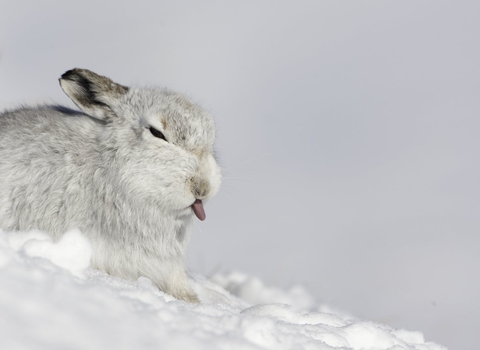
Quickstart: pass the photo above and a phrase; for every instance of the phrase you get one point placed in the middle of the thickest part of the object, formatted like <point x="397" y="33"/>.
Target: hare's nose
<point x="200" y="187"/>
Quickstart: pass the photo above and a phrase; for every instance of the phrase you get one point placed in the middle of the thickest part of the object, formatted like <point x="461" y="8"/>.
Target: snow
<point x="50" y="299"/>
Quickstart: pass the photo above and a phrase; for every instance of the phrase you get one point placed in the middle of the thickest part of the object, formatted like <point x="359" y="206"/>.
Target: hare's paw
<point x="189" y="297"/>
<point x="176" y="284"/>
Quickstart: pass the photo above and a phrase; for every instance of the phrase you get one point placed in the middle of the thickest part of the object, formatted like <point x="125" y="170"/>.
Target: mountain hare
<point x="130" y="171"/>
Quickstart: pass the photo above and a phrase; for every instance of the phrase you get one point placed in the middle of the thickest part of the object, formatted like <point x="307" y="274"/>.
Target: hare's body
<point x="130" y="172"/>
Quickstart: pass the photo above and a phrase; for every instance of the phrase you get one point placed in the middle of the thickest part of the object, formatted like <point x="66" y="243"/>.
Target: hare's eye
<point x="157" y="133"/>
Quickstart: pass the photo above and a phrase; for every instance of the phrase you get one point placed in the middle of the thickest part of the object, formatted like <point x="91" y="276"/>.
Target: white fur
<point x="103" y="171"/>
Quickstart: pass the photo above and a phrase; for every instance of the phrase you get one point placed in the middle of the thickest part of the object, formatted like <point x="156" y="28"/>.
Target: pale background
<point x="348" y="133"/>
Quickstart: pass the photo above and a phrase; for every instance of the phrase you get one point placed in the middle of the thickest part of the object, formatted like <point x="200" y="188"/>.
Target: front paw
<point x="190" y="298"/>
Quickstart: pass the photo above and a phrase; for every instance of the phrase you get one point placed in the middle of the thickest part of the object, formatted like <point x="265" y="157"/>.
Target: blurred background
<point x="348" y="133"/>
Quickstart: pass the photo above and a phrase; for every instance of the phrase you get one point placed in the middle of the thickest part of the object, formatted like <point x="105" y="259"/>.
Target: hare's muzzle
<point x="198" y="209"/>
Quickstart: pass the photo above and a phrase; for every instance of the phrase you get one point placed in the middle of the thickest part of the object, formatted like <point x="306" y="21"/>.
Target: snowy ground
<point x="364" y="113"/>
<point x="49" y="299"/>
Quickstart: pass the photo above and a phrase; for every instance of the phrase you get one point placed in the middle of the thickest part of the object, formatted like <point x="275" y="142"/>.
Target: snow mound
<point x="49" y="299"/>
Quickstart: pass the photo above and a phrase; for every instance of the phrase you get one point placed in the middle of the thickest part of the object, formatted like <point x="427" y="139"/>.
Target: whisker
<point x="247" y="161"/>
<point x="236" y="178"/>
<point x="226" y="192"/>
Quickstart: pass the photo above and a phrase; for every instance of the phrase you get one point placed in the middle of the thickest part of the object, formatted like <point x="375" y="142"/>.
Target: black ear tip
<point x="70" y="74"/>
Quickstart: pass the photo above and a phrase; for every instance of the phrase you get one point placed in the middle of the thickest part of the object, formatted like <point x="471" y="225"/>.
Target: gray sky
<point x="348" y="133"/>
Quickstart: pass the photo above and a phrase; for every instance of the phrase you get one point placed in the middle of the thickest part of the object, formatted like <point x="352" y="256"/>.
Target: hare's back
<point x="45" y="132"/>
<point x="45" y="154"/>
<point x="50" y="140"/>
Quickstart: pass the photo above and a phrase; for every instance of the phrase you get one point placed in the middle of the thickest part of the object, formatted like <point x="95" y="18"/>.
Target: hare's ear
<point x="92" y="93"/>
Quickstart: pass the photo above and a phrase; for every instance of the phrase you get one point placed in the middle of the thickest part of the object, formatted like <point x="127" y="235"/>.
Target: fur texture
<point x="107" y="171"/>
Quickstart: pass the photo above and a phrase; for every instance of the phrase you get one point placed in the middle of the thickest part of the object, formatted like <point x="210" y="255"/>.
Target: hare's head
<point x="159" y="143"/>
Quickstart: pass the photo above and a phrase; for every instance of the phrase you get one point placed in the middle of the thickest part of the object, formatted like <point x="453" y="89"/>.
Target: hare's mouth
<point x="198" y="209"/>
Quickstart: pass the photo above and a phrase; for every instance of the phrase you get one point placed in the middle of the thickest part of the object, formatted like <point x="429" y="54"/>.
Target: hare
<point x="130" y="170"/>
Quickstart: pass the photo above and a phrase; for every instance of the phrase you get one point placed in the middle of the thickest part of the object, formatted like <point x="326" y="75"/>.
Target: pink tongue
<point x="197" y="208"/>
